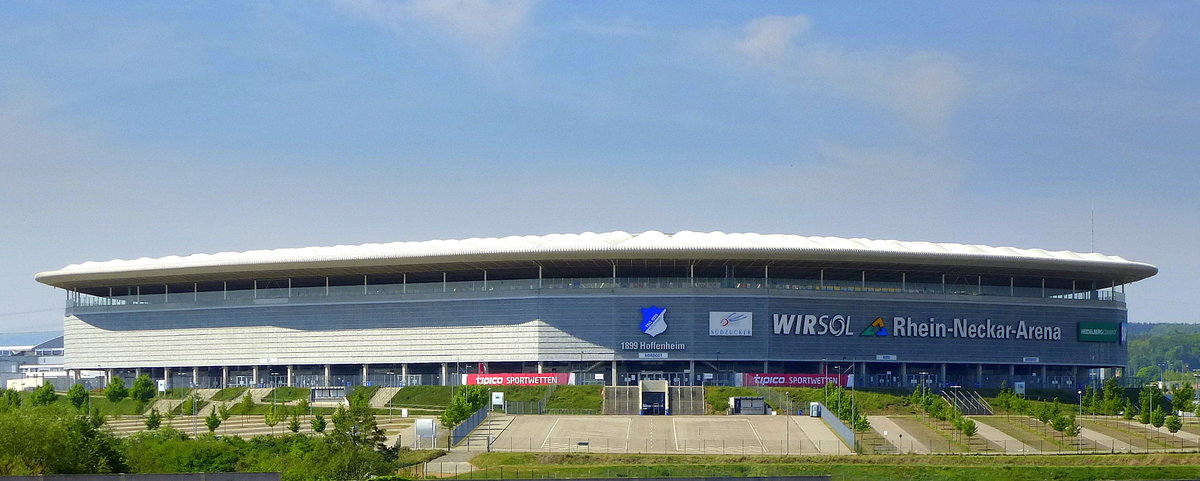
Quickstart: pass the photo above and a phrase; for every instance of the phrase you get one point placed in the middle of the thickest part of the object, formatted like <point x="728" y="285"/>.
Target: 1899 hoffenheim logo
<point x="653" y="322"/>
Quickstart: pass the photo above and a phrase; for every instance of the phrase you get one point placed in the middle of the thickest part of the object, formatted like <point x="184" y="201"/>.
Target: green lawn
<point x="285" y="394"/>
<point x="576" y="398"/>
<point x="422" y="396"/>
<point x="229" y="394"/>
<point x="910" y="467"/>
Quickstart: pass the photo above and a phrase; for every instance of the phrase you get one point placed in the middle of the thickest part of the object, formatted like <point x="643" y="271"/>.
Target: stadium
<point x="610" y="308"/>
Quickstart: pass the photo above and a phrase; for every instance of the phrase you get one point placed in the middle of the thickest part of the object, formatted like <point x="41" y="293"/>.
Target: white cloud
<point x="490" y="28"/>
<point x="924" y="89"/>
<point x="770" y="38"/>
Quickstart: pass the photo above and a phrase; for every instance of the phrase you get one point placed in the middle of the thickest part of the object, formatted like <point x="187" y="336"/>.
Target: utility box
<point x="814" y="409"/>
<point x="747" y="405"/>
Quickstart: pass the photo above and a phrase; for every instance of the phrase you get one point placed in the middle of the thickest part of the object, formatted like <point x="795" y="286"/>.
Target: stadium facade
<point x="608" y="308"/>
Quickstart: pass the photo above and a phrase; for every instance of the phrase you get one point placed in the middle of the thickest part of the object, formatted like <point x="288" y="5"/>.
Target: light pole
<point x="1080" y="393"/>
<point x="787" y="425"/>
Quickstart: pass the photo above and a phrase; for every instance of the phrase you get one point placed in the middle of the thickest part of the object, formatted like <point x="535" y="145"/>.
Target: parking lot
<point x="666" y="434"/>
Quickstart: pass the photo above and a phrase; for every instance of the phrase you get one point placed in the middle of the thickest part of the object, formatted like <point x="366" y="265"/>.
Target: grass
<point x="422" y="396"/>
<point x="854" y="468"/>
<point x="229" y="394"/>
<point x="522" y="393"/>
<point x="576" y="398"/>
<point x="1135" y="434"/>
<point x="286" y="394"/>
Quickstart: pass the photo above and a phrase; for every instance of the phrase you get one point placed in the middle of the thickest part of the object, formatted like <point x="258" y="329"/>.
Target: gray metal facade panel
<point x="555" y="327"/>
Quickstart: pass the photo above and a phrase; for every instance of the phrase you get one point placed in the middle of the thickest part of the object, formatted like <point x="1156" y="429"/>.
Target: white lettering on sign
<point x="964" y="328"/>
<point x="811" y="324"/>
<point x="653" y="345"/>
<point x="652" y="355"/>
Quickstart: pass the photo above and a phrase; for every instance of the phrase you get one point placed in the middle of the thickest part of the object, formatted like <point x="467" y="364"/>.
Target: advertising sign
<point x="731" y="324"/>
<point x="796" y="380"/>
<point x="1092" y="331"/>
<point x="520" y="379"/>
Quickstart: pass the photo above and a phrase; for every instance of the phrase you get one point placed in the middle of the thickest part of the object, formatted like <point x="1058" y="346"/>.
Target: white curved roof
<point x="606" y="245"/>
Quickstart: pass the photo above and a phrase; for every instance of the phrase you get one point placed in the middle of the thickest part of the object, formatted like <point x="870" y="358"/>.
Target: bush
<point x="154" y="420"/>
<point x="43" y="396"/>
<point x="1174" y="424"/>
<point x="116" y="391"/>
<point x="77" y="395"/>
<point x="143" y="388"/>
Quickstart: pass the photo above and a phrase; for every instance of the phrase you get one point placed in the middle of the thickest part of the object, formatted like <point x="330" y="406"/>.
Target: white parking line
<point x="761" y="445"/>
<point x="552" y="426"/>
<point x="675" y="433"/>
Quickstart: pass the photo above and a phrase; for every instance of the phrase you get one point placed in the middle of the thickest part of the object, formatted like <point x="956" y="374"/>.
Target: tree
<point x="1112" y="396"/>
<point x="1182" y="400"/>
<point x="212" y="421"/>
<point x="1174" y="424"/>
<point x="223" y="411"/>
<point x="116" y="391"/>
<point x="356" y="425"/>
<point x="967" y="427"/>
<point x="318" y="424"/>
<point x="294" y="424"/>
<point x="78" y="395"/>
<point x="1157" y="417"/>
<point x="246" y="404"/>
<point x="154" y="420"/>
<point x="272" y="417"/>
<point x="143" y="388"/>
<point x="302" y="407"/>
<point x="43" y="396"/>
<point x="1127" y="410"/>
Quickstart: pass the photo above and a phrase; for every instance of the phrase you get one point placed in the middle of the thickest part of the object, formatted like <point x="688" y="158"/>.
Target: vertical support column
<point x="943" y="372"/>
<point x="445" y="375"/>
<point x="167" y="377"/>
<point x="1075" y="376"/>
<point x="766" y="368"/>
<point x="108" y="374"/>
<point x="195" y="376"/>
<point x="291" y="376"/>
<point x="861" y="378"/>
<point x="540" y="366"/>
<point x="979" y="375"/>
<point x="404" y="373"/>
<point x="328" y="375"/>
<point x="254" y="377"/>
<point x="366" y="370"/>
<point x="904" y="375"/>
<point x="691" y="372"/>
<point x="1045" y="381"/>
<point x="224" y="377"/>
<point x="137" y="372"/>
<point x="1012" y="373"/>
<point x="613" y="381"/>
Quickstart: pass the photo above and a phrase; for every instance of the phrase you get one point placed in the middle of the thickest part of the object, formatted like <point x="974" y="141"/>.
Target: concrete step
<point x="383" y="396"/>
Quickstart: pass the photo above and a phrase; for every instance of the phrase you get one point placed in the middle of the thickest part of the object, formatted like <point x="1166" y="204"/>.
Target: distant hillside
<point x="1152" y="346"/>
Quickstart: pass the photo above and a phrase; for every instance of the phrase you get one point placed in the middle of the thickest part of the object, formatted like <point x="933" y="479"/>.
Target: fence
<point x="837" y="426"/>
<point x="463" y="429"/>
<point x="668" y="445"/>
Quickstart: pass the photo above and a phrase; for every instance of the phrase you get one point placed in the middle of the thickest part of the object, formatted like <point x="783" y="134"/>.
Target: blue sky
<point x="146" y="129"/>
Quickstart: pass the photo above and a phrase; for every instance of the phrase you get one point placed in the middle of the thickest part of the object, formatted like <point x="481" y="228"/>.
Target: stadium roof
<point x="686" y="245"/>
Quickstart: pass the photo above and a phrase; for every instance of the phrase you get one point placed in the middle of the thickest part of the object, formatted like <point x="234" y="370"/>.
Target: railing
<point x="285" y="295"/>
<point x="463" y="429"/>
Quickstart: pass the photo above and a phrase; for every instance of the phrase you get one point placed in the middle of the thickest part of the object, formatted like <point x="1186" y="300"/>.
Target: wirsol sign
<point x="900" y="326"/>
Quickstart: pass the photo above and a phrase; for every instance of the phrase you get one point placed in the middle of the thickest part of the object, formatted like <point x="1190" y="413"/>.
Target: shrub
<point x="116" y="391"/>
<point x="143" y="389"/>
<point x="43" y="396"/>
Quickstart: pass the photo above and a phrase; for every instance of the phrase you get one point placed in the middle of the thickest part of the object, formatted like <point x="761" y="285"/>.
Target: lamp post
<point x="1080" y="393"/>
<point x="787" y="425"/>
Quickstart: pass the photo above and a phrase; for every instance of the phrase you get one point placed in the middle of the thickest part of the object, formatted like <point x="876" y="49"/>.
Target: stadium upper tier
<point x="591" y="255"/>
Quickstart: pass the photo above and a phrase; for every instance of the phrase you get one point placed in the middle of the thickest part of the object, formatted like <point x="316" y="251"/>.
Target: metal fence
<point x="463" y="429"/>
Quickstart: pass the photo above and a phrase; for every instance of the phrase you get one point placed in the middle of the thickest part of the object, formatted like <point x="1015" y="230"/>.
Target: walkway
<point x="1010" y="444"/>
<point x="904" y="441"/>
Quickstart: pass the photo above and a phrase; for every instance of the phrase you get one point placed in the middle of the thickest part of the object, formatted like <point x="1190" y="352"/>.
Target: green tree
<point x="1127" y="410"/>
<point x="967" y="427"/>
<point x="272" y="417"/>
<point x="78" y="395"/>
<point x="223" y="412"/>
<point x="116" y="391"/>
<point x="318" y="424"/>
<point x="302" y="407"/>
<point x="294" y="424"/>
<point x="1112" y="396"/>
<point x="9" y="399"/>
<point x="212" y="421"/>
<point x="246" y="404"/>
<point x="143" y="389"/>
<point x="154" y="420"/>
<point x="43" y="396"/>
<point x="1182" y="399"/>
<point x="356" y="425"/>
<point x="1173" y="424"/>
<point x="1157" y="417"/>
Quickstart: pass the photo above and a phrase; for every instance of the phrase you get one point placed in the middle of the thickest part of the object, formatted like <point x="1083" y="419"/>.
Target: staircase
<point x="968" y="402"/>
<point x="384" y="396"/>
